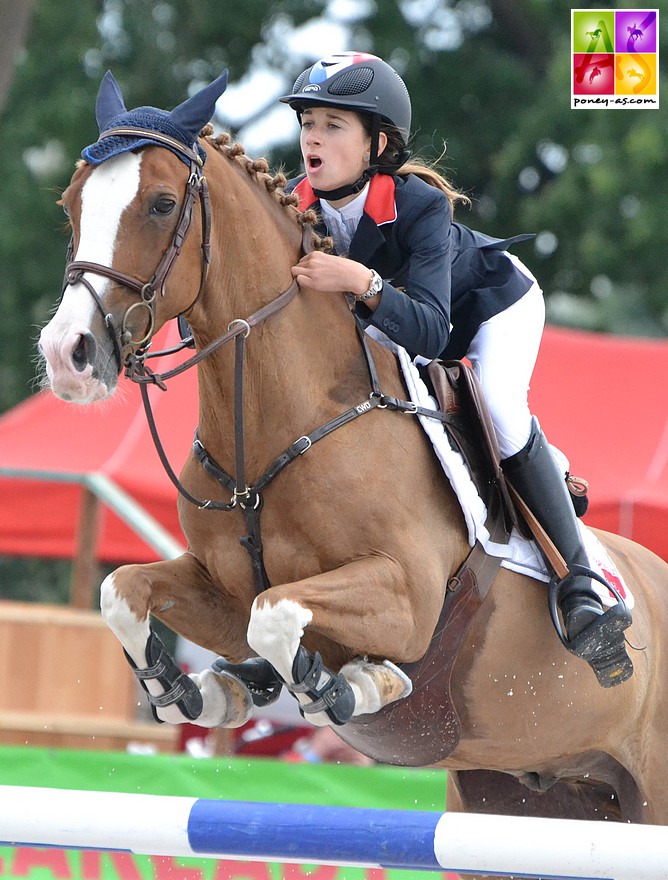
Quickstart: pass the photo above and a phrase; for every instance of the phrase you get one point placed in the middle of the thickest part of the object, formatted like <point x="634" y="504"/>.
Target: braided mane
<point x="258" y="169"/>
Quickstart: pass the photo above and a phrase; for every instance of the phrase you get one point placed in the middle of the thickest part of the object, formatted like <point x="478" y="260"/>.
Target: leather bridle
<point x="121" y="337"/>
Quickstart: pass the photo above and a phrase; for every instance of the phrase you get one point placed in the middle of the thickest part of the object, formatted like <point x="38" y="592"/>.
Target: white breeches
<point x="503" y="354"/>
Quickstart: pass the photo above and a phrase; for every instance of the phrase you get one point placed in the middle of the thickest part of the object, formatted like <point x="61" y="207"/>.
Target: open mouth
<point x="314" y="162"/>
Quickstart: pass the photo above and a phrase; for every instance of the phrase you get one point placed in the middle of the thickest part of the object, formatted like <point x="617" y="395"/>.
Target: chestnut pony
<point x="321" y="531"/>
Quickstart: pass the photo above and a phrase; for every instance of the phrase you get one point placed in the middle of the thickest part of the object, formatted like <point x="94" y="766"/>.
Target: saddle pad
<point x="520" y="554"/>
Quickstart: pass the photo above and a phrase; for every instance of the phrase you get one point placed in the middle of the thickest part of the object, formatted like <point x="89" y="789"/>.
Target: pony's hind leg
<point x="343" y="608"/>
<point x="128" y="596"/>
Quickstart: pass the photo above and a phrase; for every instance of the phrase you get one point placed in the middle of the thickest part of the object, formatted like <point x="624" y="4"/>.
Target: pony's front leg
<point x="363" y="606"/>
<point x="172" y="588"/>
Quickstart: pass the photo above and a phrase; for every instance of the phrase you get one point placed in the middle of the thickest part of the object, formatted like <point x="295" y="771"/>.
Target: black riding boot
<point x="591" y="632"/>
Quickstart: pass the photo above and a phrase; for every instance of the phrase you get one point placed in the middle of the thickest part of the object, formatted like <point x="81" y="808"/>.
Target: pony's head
<point x="137" y="239"/>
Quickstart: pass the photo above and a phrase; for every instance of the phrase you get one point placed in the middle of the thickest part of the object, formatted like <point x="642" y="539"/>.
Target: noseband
<point x="121" y="337"/>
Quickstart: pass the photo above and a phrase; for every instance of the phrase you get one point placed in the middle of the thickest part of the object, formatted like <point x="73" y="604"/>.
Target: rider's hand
<point x="328" y="273"/>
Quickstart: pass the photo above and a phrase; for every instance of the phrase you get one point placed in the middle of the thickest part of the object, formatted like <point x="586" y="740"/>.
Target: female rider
<point x="439" y="290"/>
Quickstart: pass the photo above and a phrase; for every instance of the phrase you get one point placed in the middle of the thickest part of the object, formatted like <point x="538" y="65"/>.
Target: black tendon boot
<point x="592" y="633"/>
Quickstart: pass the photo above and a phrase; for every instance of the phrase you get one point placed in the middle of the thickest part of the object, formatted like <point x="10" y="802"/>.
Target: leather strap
<point x="554" y="557"/>
<point x="157" y="136"/>
<point x="479" y="570"/>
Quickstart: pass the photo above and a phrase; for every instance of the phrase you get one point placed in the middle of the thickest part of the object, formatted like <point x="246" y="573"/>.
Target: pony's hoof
<point x="376" y="684"/>
<point x="227" y="701"/>
<point x="239" y="703"/>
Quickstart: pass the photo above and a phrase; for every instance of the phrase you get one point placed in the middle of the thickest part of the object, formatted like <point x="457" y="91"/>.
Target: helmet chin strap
<point x="352" y="189"/>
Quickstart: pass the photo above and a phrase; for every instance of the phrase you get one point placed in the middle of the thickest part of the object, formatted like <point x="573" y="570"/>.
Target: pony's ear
<point x="194" y="113"/>
<point x="109" y="101"/>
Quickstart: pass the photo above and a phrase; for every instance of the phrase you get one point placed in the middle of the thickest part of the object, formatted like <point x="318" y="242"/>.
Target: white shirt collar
<point x="352" y="210"/>
<point x="342" y="222"/>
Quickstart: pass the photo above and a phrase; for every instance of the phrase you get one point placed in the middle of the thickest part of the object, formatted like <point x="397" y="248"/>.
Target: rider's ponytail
<point x="394" y="150"/>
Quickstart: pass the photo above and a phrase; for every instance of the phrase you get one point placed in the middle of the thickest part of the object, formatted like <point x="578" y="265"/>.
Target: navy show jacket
<point x="441" y="280"/>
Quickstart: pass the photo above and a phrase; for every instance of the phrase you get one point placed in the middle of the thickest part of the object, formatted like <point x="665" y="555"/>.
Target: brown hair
<point x="392" y="160"/>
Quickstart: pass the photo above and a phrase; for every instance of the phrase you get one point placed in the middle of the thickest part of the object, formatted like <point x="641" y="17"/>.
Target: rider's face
<point x="335" y="147"/>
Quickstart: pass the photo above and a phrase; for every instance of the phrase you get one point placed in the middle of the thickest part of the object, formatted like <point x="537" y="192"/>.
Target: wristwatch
<point x="375" y="287"/>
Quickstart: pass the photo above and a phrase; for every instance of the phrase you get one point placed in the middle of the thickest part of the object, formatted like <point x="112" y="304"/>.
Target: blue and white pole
<point x="414" y="840"/>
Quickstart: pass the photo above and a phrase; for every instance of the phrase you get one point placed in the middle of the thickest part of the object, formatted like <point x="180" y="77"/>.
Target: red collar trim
<point x="307" y="198"/>
<point x="380" y="204"/>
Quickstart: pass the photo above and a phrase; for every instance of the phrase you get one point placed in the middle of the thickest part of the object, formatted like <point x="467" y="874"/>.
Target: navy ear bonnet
<point x="183" y="123"/>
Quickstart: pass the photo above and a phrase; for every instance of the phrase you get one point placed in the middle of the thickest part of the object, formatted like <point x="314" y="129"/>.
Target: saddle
<point x="471" y="432"/>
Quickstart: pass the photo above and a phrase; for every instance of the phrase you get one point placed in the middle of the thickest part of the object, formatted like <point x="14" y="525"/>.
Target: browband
<point x="156" y="136"/>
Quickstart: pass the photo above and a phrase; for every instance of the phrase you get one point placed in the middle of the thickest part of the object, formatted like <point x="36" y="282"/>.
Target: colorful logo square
<point x="593" y="74"/>
<point x="636" y="74"/>
<point x="593" y="30"/>
<point x="635" y="31"/>
<point x="614" y="58"/>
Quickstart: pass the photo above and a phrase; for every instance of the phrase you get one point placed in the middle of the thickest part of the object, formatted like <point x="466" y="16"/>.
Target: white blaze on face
<point x="106" y="194"/>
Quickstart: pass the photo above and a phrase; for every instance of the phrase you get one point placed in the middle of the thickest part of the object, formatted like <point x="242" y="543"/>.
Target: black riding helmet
<point x="359" y="82"/>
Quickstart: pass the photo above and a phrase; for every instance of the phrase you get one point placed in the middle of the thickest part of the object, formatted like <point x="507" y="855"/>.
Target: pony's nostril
<point x="83" y="353"/>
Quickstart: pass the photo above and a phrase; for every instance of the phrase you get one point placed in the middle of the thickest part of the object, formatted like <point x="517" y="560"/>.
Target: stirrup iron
<point x="601" y="643"/>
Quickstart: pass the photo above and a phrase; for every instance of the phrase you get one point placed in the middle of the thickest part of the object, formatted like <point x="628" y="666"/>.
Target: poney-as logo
<point x="614" y="58"/>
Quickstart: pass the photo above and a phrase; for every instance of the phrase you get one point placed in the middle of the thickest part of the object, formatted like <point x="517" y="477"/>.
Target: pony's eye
<point x="163" y="206"/>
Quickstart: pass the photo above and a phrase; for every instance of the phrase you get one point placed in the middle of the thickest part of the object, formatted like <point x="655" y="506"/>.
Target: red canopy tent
<point x="54" y="456"/>
<point x="599" y="398"/>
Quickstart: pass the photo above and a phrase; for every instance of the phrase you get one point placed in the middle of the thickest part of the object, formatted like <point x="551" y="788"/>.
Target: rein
<point x="249" y="498"/>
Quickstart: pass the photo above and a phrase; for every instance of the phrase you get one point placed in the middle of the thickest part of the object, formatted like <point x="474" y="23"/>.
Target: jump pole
<point x="415" y="840"/>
